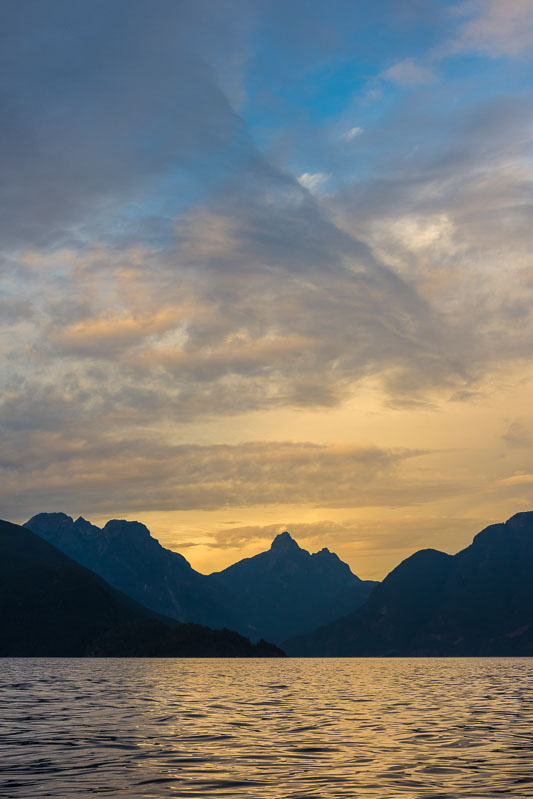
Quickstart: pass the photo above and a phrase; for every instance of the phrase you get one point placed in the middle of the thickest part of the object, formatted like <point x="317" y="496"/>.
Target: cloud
<point x="408" y="73"/>
<point x="105" y="335"/>
<point x="60" y="464"/>
<point x="371" y="546"/>
<point x="266" y="320"/>
<point x="312" y="180"/>
<point x="493" y="28"/>
<point x="14" y="310"/>
<point x="497" y="28"/>
<point x="518" y="479"/>
<point x="158" y="268"/>
<point x="200" y="279"/>
<point x="455" y="224"/>
<point x="257" y="301"/>
<point x="517" y="435"/>
<point x="352" y="133"/>
<point x="361" y="535"/>
<point x="96" y="118"/>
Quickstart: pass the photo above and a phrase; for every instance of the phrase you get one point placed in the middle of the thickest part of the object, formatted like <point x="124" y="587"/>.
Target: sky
<point x="268" y="265"/>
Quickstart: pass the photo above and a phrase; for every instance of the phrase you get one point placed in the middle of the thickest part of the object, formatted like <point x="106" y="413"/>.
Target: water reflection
<point x="267" y="728"/>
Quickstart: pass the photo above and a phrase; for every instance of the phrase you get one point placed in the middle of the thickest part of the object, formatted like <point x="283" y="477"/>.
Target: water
<point x="267" y="728"/>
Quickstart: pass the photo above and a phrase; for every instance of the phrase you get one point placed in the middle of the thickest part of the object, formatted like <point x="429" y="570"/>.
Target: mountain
<point x="51" y="606"/>
<point x="130" y="559"/>
<point x="477" y="602"/>
<point x="279" y="593"/>
<point x="286" y="590"/>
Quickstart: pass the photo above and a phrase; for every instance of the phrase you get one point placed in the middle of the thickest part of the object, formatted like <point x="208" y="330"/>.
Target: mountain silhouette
<point x="129" y="558"/>
<point x="279" y="593"/>
<point x="51" y="606"/>
<point x="287" y="590"/>
<point x="477" y="602"/>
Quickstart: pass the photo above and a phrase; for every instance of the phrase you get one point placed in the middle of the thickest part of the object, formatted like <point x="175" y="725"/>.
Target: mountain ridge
<point x="476" y="602"/>
<point x="126" y="555"/>
<point x="287" y="588"/>
<point x="51" y="606"/>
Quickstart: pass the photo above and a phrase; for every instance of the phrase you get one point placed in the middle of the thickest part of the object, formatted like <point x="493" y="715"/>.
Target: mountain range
<point x="477" y="602"/>
<point x="277" y="594"/>
<point x="50" y="606"/>
<point x="129" y="558"/>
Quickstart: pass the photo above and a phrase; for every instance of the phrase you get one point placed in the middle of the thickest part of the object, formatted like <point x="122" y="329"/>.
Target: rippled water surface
<point x="267" y="728"/>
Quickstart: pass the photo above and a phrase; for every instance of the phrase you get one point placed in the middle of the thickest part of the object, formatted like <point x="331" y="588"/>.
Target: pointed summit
<point x="286" y="588"/>
<point x="284" y="542"/>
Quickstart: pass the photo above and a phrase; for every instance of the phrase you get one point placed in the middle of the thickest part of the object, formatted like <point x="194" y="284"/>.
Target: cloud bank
<point x="170" y="256"/>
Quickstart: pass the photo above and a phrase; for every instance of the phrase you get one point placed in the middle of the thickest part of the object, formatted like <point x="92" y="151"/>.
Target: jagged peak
<point x="326" y="554"/>
<point x="284" y="542"/>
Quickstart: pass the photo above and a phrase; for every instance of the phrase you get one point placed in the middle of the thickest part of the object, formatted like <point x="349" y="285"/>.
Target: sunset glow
<point x="269" y="266"/>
